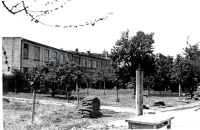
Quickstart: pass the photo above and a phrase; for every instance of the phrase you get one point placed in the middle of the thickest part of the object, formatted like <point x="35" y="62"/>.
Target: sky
<point x="171" y="21"/>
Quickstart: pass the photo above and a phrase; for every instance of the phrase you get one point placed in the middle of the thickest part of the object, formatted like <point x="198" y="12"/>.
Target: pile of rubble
<point x="90" y="107"/>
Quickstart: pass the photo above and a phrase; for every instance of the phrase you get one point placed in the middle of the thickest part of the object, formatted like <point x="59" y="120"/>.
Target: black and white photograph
<point x="100" y="64"/>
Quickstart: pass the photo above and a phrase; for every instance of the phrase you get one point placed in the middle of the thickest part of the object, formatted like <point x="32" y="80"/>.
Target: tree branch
<point x="10" y="10"/>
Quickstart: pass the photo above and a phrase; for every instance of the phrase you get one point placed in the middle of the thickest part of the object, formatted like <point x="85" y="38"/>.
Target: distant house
<point x="22" y="54"/>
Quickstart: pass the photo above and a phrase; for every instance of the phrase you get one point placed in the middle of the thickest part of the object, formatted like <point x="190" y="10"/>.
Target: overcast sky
<point x="171" y="21"/>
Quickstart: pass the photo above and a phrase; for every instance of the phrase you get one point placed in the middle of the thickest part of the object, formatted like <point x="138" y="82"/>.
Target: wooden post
<point x="77" y="94"/>
<point x="33" y="107"/>
<point x="117" y="94"/>
<point x="104" y="86"/>
<point x="139" y="92"/>
<point x="179" y="90"/>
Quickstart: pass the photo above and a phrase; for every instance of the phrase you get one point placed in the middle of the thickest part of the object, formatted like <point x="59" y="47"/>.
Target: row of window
<point x="37" y="53"/>
<point x="87" y="63"/>
<point x="90" y="63"/>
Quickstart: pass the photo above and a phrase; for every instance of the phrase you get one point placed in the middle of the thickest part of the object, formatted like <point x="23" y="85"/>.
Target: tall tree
<point x="134" y="52"/>
<point x="131" y="53"/>
<point x="186" y="68"/>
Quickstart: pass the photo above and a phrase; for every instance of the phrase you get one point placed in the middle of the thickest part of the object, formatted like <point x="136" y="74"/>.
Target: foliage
<point x="162" y="76"/>
<point x="62" y="76"/>
<point x="36" y="76"/>
<point x="186" y="70"/>
<point x="131" y="53"/>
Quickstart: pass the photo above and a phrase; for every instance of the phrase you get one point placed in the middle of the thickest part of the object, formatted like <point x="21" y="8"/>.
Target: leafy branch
<point x="43" y="13"/>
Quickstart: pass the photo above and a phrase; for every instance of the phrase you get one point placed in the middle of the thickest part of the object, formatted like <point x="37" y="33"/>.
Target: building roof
<point x="88" y="54"/>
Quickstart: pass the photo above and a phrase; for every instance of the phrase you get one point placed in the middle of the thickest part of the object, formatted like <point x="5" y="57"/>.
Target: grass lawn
<point x="17" y="116"/>
<point x="125" y="97"/>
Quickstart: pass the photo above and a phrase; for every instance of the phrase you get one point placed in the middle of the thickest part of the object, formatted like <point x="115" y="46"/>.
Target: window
<point x="70" y="57"/>
<point x="83" y="62"/>
<point x="46" y="55"/>
<point x="100" y="64"/>
<point x="61" y="57"/>
<point x="95" y="62"/>
<point x="78" y="61"/>
<point x="90" y="63"/>
<point x="36" y="53"/>
<point x="104" y="64"/>
<point x="25" y="51"/>
<point x="54" y="54"/>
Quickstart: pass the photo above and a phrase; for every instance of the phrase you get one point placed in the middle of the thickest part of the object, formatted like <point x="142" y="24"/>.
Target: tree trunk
<point x="77" y="92"/>
<point x="104" y="88"/>
<point x="67" y="92"/>
<point x="33" y="107"/>
<point x="87" y="83"/>
<point x="139" y="92"/>
<point x="90" y="86"/>
<point x="53" y="91"/>
<point x="15" y="83"/>
<point x="148" y="91"/>
<point x="99" y="85"/>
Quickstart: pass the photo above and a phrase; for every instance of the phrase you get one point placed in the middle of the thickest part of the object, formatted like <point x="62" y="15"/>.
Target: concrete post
<point x="139" y="92"/>
<point x="179" y="90"/>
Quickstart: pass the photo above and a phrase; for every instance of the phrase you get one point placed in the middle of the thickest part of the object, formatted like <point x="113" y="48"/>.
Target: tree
<point x="62" y="76"/>
<point x="36" y="78"/>
<point x="186" y="69"/>
<point x="163" y="72"/>
<point x="136" y="53"/>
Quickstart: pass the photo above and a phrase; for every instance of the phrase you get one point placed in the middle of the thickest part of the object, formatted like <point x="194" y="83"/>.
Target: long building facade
<point x="22" y="54"/>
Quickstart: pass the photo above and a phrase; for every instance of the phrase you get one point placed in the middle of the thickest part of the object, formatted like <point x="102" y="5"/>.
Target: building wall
<point x="31" y="61"/>
<point x="21" y="55"/>
<point x="12" y="47"/>
<point x="90" y="59"/>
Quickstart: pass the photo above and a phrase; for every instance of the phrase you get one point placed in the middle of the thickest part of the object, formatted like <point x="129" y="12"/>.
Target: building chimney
<point x="76" y="50"/>
<point x="105" y="53"/>
<point x="88" y="52"/>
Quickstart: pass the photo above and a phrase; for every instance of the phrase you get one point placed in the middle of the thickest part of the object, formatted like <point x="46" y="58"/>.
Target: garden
<point x="50" y="96"/>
